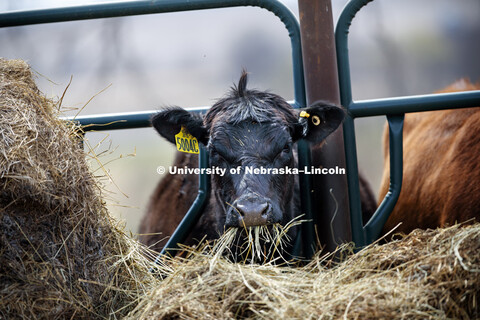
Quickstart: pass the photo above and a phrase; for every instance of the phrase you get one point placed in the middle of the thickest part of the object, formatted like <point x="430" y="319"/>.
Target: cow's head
<point x="254" y="129"/>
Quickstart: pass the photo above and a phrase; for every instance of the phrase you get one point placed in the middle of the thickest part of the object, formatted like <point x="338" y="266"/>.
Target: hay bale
<point x="433" y="274"/>
<point x="61" y="256"/>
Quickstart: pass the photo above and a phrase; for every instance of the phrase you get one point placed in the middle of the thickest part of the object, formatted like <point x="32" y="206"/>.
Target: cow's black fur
<point x="249" y="128"/>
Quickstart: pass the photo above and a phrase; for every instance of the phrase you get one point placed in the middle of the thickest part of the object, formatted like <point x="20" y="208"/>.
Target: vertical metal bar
<point x="191" y="218"/>
<point x="307" y="228"/>
<point x="331" y="213"/>
<point x="364" y="235"/>
<point x="356" y="219"/>
<point x="341" y="41"/>
<point x="377" y="221"/>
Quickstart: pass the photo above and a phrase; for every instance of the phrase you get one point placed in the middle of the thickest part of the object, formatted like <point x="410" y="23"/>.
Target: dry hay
<point x="260" y="244"/>
<point x="61" y="256"/>
<point x="433" y="274"/>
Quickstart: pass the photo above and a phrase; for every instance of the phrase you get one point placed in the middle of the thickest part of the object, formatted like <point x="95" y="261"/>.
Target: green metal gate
<point x="393" y="108"/>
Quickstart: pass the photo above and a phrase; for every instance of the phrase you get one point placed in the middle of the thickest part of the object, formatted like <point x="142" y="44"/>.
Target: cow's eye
<point x="284" y="154"/>
<point x="287" y="148"/>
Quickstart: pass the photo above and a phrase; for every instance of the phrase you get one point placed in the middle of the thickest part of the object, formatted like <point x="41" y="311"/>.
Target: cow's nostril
<point x="253" y="212"/>
<point x="266" y="210"/>
<point x="262" y="209"/>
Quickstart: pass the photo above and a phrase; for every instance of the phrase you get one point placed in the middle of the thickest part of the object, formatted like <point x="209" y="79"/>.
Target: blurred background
<point x="189" y="59"/>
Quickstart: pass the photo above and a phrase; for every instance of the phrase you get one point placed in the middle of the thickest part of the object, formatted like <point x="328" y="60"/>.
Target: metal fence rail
<point x="393" y="108"/>
<point x="130" y="8"/>
<point x="142" y="119"/>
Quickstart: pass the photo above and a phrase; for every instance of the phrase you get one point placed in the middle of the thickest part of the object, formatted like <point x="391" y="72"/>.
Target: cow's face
<point x="248" y="194"/>
<point x="246" y="131"/>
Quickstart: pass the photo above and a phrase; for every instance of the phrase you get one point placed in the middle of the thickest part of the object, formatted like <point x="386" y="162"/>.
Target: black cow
<point x="246" y="129"/>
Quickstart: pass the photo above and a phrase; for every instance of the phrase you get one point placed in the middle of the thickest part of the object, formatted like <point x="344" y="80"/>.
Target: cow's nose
<point x="252" y="212"/>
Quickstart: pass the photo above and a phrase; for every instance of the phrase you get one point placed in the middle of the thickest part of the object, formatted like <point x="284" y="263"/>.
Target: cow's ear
<point x="169" y="122"/>
<point x="319" y="120"/>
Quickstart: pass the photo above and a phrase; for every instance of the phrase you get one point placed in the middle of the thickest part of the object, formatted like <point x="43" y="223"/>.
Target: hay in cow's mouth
<point x="259" y="244"/>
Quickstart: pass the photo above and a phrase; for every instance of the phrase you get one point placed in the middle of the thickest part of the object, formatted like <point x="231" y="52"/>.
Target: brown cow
<point x="247" y="128"/>
<point x="441" y="167"/>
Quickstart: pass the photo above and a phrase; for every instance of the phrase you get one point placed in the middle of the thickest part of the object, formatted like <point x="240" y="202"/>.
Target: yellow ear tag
<point x="304" y="114"/>
<point x="186" y="142"/>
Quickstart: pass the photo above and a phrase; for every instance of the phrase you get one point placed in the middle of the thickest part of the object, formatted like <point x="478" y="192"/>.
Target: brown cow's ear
<point x="169" y="122"/>
<point x="320" y="120"/>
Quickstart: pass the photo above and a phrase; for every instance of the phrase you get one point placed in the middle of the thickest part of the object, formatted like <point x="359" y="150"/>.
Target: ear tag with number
<point x="304" y="114"/>
<point x="186" y="142"/>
